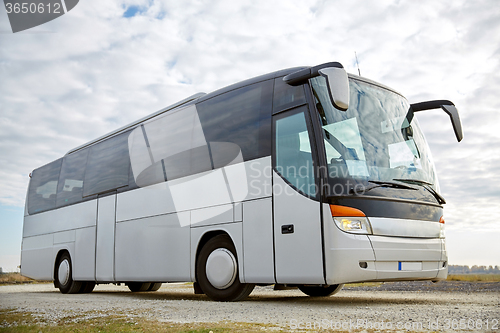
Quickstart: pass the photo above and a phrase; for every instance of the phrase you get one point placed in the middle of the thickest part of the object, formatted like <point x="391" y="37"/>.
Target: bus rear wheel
<point x="321" y="291"/>
<point x="64" y="276"/>
<point x="217" y="271"/>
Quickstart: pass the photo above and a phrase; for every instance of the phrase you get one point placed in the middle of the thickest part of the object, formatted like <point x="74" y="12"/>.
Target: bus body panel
<point x="258" y="245"/>
<point x="299" y="257"/>
<point x="224" y="186"/>
<point x="398" y="258"/>
<point x="443" y="268"/>
<point x="153" y="249"/>
<point x="105" y="239"/>
<point x="405" y="227"/>
<point x="36" y="257"/>
<point x="143" y="202"/>
<point x="406" y="248"/>
<point x="80" y="215"/>
<point x="47" y="233"/>
<point x="207" y="189"/>
<point x="84" y="255"/>
<point x="64" y="237"/>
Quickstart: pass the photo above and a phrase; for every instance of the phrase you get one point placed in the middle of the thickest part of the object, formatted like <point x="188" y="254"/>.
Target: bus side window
<point x="107" y="166"/>
<point x="43" y="187"/>
<point x="241" y="117"/>
<point x="169" y="147"/>
<point x="70" y="186"/>
<point x="293" y="151"/>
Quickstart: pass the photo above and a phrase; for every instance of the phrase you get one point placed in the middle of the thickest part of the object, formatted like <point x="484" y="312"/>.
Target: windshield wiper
<point x="380" y="184"/>
<point x="427" y="186"/>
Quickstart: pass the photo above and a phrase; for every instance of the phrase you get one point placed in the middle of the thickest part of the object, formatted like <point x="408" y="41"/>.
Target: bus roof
<point x="253" y="80"/>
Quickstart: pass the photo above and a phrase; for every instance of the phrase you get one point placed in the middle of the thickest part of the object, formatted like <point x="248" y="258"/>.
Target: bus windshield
<point x="375" y="140"/>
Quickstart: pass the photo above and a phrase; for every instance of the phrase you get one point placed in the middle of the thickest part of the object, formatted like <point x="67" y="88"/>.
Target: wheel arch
<point x="59" y="253"/>
<point x="206" y="237"/>
<point x="200" y="236"/>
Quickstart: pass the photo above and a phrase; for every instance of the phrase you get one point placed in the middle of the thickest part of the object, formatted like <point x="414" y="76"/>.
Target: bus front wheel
<point x="87" y="287"/>
<point x="138" y="286"/>
<point x="217" y="271"/>
<point x="64" y="276"/>
<point x="321" y="291"/>
<point x="154" y="286"/>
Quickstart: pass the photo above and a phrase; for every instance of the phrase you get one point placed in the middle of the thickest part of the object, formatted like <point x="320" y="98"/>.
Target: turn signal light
<point x="345" y="211"/>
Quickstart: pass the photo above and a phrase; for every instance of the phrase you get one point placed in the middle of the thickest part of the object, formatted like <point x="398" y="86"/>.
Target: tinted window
<point x="188" y="162"/>
<point x="70" y="187"/>
<point x="131" y="181"/>
<point x="108" y="165"/>
<point x="293" y="152"/>
<point x="241" y="117"/>
<point x="169" y="147"/>
<point x="287" y="96"/>
<point x="43" y="187"/>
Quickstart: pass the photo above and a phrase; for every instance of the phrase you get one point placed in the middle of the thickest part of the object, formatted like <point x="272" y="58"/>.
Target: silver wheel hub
<point x="63" y="272"/>
<point x="221" y="268"/>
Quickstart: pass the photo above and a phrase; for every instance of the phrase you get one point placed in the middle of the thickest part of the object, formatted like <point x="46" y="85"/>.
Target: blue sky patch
<point x="133" y="11"/>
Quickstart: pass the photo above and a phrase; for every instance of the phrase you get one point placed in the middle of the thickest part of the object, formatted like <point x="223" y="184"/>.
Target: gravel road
<point x="398" y="306"/>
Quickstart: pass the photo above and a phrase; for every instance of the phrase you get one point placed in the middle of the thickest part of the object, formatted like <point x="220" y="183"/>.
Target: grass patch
<point x="474" y="277"/>
<point x="14" y="321"/>
<point x="13" y="278"/>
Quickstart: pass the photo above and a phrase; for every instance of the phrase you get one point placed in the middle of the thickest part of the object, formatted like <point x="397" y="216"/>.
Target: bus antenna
<point x="359" y="72"/>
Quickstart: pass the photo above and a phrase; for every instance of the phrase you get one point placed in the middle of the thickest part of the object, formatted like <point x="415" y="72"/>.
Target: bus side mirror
<point x="338" y="86"/>
<point x="336" y="80"/>
<point x="449" y="108"/>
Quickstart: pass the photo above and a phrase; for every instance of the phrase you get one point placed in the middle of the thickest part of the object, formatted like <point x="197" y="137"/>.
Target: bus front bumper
<point x="417" y="255"/>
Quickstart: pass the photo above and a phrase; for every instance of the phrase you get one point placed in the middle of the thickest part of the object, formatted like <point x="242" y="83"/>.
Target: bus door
<point x="297" y="220"/>
<point x="105" y="238"/>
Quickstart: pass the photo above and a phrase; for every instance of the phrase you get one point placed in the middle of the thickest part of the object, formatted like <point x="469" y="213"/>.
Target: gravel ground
<point x="399" y="306"/>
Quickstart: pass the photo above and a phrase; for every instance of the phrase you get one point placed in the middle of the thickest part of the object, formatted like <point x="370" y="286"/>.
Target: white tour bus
<point x="304" y="177"/>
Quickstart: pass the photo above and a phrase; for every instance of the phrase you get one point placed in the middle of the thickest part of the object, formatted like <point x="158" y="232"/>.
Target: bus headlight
<point x="355" y="225"/>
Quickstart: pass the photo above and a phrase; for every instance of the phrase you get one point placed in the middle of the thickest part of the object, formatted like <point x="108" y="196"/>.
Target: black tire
<point x="321" y="291"/>
<point x="64" y="276"/>
<point x="233" y="290"/>
<point x="154" y="286"/>
<point x="87" y="287"/>
<point x="138" y="286"/>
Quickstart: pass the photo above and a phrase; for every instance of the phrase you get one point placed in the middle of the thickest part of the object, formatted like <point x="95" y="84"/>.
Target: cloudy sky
<point x="107" y="63"/>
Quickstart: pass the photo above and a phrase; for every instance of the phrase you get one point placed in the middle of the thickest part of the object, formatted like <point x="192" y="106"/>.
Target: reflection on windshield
<point x="375" y="139"/>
